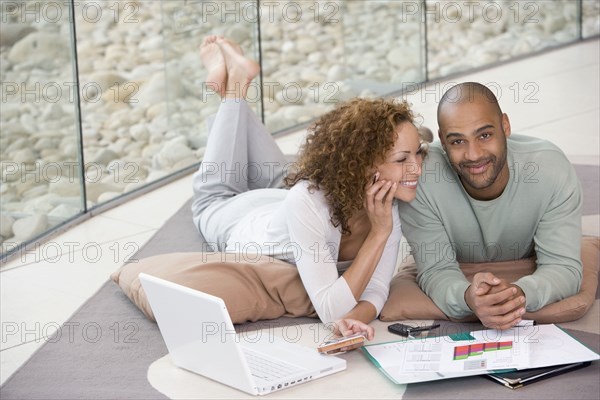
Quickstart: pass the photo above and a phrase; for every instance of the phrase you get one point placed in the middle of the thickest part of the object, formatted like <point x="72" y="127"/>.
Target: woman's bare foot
<point x="214" y="61"/>
<point x="240" y="70"/>
<point x="234" y="45"/>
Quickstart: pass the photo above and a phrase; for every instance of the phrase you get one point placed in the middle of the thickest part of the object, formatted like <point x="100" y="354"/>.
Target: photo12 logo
<point x="53" y="92"/>
<point x="517" y="92"/>
<point x="195" y="13"/>
<point x="453" y="12"/>
<point x="57" y="11"/>
<point x="53" y="332"/>
<point x="68" y="252"/>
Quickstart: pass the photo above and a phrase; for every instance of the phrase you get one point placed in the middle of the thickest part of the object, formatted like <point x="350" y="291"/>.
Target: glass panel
<point x="123" y="101"/>
<point x="190" y="104"/>
<point x="317" y="53"/>
<point x="383" y="45"/>
<point x="591" y="18"/>
<point x="465" y="35"/>
<point x="143" y="105"/>
<point x="40" y="185"/>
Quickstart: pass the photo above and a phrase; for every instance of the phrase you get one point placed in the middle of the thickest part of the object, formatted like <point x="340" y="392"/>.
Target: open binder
<point x="517" y="379"/>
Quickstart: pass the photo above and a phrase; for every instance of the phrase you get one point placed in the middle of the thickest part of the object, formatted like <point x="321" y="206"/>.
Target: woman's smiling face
<point x="403" y="162"/>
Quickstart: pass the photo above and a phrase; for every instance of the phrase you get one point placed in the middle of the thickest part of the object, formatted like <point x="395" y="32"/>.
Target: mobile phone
<point x="375" y="177"/>
<point x="343" y="344"/>
<point x="408" y="331"/>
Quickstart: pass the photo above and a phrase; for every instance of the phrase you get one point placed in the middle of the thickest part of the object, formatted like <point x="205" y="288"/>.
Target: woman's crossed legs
<point x="240" y="154"/>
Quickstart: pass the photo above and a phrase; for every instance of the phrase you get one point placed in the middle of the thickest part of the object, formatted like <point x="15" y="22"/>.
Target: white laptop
<point x="200" y="336"/>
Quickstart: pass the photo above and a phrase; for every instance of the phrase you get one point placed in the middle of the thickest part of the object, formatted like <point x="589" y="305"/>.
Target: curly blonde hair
<point x="341" y="149"/>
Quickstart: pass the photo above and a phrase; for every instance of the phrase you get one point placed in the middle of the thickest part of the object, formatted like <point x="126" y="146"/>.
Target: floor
<point x="554" y="96"/>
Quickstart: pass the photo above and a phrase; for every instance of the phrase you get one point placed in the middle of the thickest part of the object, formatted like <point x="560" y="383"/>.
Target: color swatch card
<point x="501" y="351"/>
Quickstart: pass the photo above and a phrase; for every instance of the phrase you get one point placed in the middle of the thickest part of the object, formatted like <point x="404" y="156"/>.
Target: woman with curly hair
<point x="337" y="221"/>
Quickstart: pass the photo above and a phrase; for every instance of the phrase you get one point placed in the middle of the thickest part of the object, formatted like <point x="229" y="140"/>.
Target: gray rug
<point x="112" y="359"/>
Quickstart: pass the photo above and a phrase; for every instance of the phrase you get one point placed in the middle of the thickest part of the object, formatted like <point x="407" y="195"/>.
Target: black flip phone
<point x="407" y="330"/>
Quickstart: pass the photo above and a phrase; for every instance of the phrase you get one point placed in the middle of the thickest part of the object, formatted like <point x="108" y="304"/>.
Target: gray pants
<point x="242" y="166"/>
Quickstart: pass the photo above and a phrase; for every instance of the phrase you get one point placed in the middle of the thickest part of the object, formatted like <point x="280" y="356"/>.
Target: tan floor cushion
<point x="253" y="289"/>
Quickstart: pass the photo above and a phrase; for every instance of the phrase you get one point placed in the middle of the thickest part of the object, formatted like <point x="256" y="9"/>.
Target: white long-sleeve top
<point x="295" y="225"/>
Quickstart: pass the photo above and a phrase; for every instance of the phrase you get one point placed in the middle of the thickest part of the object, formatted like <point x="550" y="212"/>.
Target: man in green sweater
<point x="487" y="196"/>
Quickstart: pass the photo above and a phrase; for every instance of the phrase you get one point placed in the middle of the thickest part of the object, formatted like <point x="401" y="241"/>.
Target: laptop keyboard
<point x="269" y="369"/>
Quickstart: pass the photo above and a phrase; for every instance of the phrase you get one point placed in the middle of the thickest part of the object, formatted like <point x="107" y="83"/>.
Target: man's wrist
<point x="460" y="307"/>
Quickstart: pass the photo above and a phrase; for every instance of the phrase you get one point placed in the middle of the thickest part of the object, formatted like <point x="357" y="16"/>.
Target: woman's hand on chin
<point x="378" y="204"/>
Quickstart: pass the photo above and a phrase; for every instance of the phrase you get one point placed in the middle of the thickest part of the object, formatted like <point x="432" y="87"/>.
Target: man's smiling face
<point x="473" y="134"/>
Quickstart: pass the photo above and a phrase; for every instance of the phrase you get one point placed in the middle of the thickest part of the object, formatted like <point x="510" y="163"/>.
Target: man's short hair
<point x="468" y="92"/>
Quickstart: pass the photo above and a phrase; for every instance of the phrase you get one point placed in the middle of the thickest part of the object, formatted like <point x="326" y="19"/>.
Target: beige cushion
<point x="408" y="301"/>
<point x="255" y="288"/>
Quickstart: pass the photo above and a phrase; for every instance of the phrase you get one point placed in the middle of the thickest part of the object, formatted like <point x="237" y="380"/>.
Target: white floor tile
<point x="590" y="225"/>
<point x="31" y="310"/>
<point x="576" y="135"/>
<point x="553" y="62"/>
<point x="80" y="271"/>
<point x="12" y="359"/>
<point x="558" y="97"/>
<point x="587" y="160"/>
<point x="154" y="208"/>
<point x="84" y="237"/>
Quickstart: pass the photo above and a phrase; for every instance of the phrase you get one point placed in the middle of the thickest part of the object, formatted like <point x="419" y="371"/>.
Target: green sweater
<point x="539" y="213"/>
